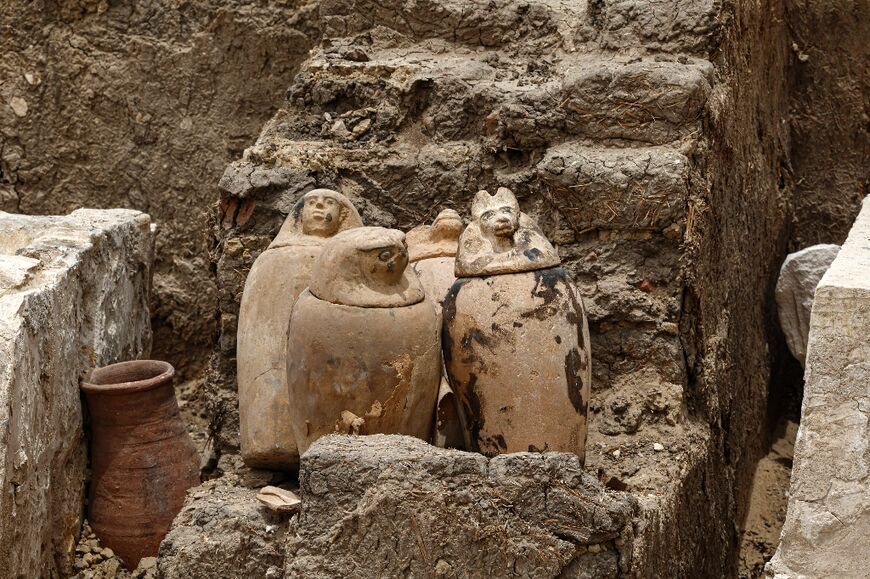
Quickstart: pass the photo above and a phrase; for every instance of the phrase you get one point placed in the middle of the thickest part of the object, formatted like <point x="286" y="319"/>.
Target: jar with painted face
<point x="363" y="342"/>
<point x="276" y="279"/>
<point x="516" y="339"/>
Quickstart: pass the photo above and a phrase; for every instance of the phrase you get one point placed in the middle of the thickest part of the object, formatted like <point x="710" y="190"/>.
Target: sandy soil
<point x="767" y="503"/>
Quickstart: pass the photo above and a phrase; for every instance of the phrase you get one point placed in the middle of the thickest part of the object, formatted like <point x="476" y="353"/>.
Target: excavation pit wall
<point x="654" y="161"/>
<point x="73" y="295"/>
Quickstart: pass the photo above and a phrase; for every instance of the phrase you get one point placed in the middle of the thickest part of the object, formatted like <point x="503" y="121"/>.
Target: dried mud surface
<point x="830" y="117"/>
<point x="141" y="105"/>
<point x="672" y="165"/>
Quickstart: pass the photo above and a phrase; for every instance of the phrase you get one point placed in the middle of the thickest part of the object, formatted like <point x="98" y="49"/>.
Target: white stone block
<point x="73" y="295"/>
<point x="800" y="274"/>
<point x="827" y="527"/>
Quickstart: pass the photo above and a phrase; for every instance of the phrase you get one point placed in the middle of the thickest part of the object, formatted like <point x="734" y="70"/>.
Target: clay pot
<point x="436" y="275"/>
<point x="276" y="279"/>
<point x="363" y="350"/>
<point x="516" y="349"/>
<point x="432" y="251"/>
<point x="142" y="459"/>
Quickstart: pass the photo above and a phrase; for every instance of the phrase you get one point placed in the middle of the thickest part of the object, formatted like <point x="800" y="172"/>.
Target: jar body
<point x="516" y="349"/>
<point x="436" y="276"/>
<point x="276" y="279"/>
<point x="142" y="461"/>
<point x="381" y="364"/>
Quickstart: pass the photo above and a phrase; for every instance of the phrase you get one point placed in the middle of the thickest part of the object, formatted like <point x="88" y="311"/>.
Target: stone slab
<point x="827" y="527"/>
<point x="73" y="295"/>
<point x="390" y="506"/>
<point x="223" y="531"/>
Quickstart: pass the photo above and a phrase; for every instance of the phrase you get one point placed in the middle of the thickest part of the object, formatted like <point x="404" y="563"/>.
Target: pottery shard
<point x="279" y="500"/>
<point x="795" y="288"/>
<point x="276" y="279"/>
<point x="363" y="342"/>
<point x="516" y="348"/>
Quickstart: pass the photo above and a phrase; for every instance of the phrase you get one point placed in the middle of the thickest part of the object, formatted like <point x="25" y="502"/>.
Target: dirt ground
<point x="767" y="503"/>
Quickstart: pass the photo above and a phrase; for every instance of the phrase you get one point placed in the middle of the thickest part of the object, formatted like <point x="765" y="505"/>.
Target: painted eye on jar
<point x="385" y="255"/>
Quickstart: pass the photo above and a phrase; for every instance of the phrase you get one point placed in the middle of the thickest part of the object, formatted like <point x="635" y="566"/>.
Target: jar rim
<point x="127" y="377"/>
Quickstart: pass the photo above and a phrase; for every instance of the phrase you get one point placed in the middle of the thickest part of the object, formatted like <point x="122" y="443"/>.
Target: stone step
<point x="575" y="188"/>
<point x="513" y="103"/>
<point x="592" y="188"/>
<point x="688" y="26"/>
<point x="493" y="23"/>
<point x="671" y="25"/>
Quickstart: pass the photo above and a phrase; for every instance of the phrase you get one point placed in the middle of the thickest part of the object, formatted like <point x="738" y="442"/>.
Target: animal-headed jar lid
<point x="501" y="239"/>
<point x="366" y="267"/>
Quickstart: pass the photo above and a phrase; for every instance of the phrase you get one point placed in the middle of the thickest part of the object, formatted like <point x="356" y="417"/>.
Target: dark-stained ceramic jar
<point x="516" y="340"/>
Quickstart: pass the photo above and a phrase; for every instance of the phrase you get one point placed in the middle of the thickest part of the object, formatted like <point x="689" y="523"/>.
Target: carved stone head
<point x="366" y="267"/>
<point x="441" y="239"/>
<point x="497" y="215"/>
<point x="501" y="239"/>
<point x="319" y="214"/>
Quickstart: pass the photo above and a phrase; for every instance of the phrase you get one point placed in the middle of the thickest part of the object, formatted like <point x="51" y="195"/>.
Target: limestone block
<point x="828" y="521"/>
<point x="74" y="296"/>
<point x="391" y="506"/>
<point x="223" y="531"/>
<point x="800" y="274"/>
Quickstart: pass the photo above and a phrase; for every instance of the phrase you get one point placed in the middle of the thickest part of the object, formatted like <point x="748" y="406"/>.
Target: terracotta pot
<point x="276" y="279"/>
<point x="363" y="350"/>
<point x="516" y="348"/>
<point x="436" y="275"/>
<point x="142" y="459"/>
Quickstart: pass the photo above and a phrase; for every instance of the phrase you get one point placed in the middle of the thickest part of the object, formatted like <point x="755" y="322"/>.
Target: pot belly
<point x="381" y="364"/>
<point x="516" y="348"/>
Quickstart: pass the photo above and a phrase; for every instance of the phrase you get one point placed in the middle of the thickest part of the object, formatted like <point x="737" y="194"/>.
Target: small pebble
<point x="616" y="453"/>
<point x="658" y="447"/>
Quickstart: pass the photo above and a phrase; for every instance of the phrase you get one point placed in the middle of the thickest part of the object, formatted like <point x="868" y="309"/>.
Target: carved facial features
<point x="500" y="222"/>
<point x="387" y="264"/>
<point x="321" y="214"/>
